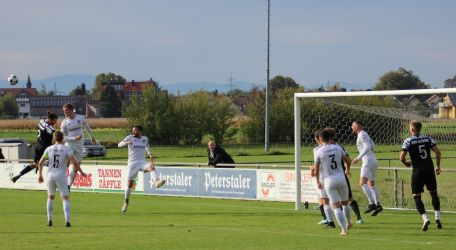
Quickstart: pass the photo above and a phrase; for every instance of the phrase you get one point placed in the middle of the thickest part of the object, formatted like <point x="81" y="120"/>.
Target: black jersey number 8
<point x="56" y="161"/>
<point x="333" y="162"/>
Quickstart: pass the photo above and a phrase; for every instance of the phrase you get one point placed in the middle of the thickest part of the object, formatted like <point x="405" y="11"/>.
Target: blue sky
<point x="312" y="41"/>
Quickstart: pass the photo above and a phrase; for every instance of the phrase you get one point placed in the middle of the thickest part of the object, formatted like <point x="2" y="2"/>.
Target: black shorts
<point x="39" y="151"/>
<point x="421" y="179"/>
<point x="350" y="195"/>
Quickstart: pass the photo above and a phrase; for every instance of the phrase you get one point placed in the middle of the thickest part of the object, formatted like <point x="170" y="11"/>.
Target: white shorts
<point x="134" y="168"/>
<point x="323" y="194"/>
<point x="60" y="182"/>
<point x="369" y="170"/>
<point x="77" y="153"/>
<point x="337" y="190"/>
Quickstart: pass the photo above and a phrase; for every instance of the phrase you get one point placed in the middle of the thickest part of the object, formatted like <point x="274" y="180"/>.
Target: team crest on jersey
<point x="144" y="140"/>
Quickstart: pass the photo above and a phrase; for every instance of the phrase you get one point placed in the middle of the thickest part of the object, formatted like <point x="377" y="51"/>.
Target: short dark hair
<point x="51" y="116"/>
<point x="58" y="136"/>
<point x="68" y="106"/>
<point x="139" y="127"/>
<point x="325" y="135"/>
<point x="359" y="122"/>
<point x="417" y="125"/>
<point x="332" y="132"/>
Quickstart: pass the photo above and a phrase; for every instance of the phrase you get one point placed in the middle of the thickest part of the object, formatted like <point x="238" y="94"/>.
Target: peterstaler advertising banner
<point x="179" y="181"/>
<point x="261" y="184"/>
<point x="280" y="185"/>
<point x="204" y="182"/>
<point x="229" y="183"/>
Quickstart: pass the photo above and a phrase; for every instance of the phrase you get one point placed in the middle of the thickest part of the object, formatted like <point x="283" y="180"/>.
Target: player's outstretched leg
<point x="25" y="170"/>
<point x="127" y="196"/>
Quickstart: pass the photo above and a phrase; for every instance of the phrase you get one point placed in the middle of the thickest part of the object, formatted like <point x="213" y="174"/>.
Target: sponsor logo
<point x="229" y="182"/>
<point x="81" y="181"/>
<point x="176" y="180"/>
<point x="110" y="178"/>
<point x="268" y="185"/>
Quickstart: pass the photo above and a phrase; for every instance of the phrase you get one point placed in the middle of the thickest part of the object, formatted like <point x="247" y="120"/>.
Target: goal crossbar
<point x="297" y="118"/>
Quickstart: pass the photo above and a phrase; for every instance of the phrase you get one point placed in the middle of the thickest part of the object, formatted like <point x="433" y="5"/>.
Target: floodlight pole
<point x="266" y="115"/>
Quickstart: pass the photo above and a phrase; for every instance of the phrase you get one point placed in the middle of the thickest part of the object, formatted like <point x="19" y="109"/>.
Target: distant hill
<point x="65" y="83"/>
<point x="184" y="88"/>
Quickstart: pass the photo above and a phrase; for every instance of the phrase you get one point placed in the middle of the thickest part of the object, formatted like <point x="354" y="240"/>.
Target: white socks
<point x="368" y="193"/>
<point x="341" y="219"/>
<point x="127" y="193"/>
<point x="375" y="194"/>
<point x="50" y="208"/>
<point x="347" y="211"/>
<point x="328" y="212"/>
<point x="425" y="217"/>
<point x="66" y="210"/>
<point x="437" y="214"/>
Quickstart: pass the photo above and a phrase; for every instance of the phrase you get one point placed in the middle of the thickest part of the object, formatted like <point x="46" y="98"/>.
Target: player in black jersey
<point x="420" y="146"/>
<point x="45" y="131"/>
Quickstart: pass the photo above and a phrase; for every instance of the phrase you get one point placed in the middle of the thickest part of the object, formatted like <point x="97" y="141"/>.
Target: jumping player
<point x="72" y="128"/>
<point x="45" y="131"/>
<point x="368" y="169"/>
<point x="137" y="145"/>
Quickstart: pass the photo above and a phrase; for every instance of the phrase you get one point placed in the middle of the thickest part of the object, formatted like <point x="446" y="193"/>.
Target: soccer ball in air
<point x="12" y="79"/>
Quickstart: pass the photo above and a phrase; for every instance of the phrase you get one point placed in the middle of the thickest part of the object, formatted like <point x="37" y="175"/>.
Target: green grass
<point x="194" y="223"/>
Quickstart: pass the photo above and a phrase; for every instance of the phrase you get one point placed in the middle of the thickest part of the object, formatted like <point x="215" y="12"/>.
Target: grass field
<point x="195" y="223"/>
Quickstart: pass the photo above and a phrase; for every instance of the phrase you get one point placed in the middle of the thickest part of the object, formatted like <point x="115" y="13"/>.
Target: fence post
<point x="396" y="198"/>
<point x="402" y="194"/>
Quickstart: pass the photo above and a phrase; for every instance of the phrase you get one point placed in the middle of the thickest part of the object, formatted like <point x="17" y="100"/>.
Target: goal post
<point x="394" y="109"/>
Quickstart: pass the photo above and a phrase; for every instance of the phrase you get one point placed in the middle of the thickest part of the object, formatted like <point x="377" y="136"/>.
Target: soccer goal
<point x="385" y="115"/>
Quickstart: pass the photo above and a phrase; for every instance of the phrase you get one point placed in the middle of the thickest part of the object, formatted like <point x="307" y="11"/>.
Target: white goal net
<point x="385" y="115"/>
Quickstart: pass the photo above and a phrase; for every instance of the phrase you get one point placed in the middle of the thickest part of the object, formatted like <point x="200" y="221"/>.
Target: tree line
<point x="187" y="119"/>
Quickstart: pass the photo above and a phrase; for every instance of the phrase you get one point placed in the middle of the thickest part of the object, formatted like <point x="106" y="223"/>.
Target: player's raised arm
<point x="123" y="143"/>
<point x="89" y="131"/>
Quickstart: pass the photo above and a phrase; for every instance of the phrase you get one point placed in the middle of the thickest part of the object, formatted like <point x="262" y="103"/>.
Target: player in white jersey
<point x="369" y="168"/>
<point x="72" y="128"/>
<point x="137" y="145"/>
<point x="58" y="156"/>
<point x="328" y="159"/>
<point x="325" y="209"/>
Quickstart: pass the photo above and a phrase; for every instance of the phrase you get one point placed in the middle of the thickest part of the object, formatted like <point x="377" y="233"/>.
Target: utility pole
<point x="230" y="80"/>
<point x="266" y="115"/>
